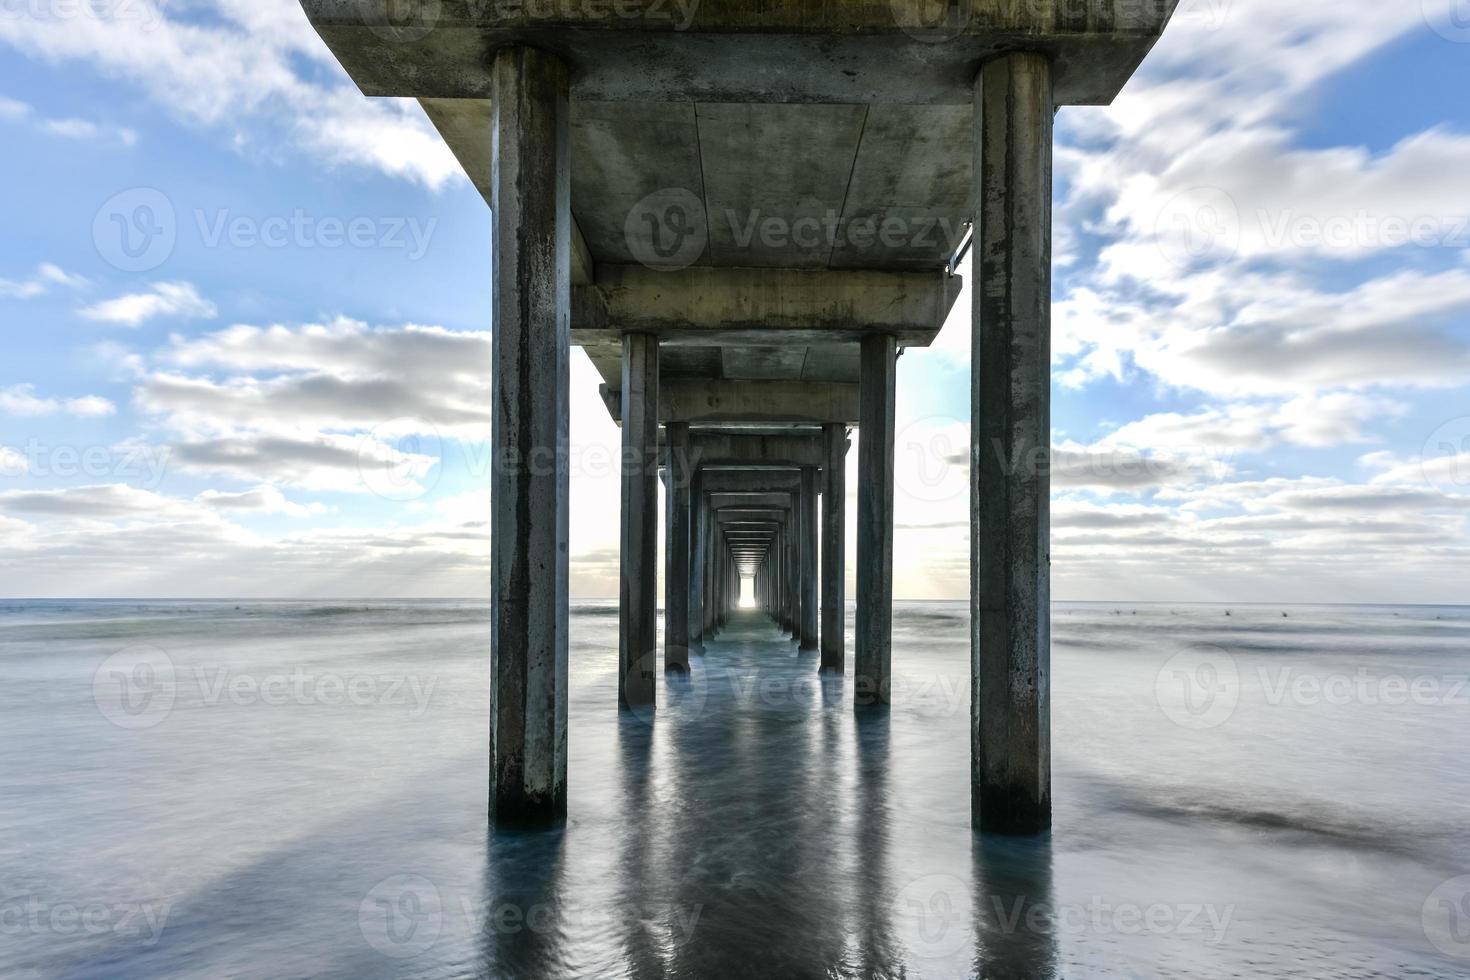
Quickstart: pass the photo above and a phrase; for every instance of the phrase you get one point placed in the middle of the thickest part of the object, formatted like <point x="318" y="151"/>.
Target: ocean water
<point x="298" y="789"/>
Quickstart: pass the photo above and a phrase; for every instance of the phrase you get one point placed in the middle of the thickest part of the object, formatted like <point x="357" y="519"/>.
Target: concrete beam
<point x="711" y="307"/>
<point x="1011" y="438"/>
<point x="749" y="401"/>
<point x="745" y="502"/>
<point x="804" y="51"/>
<point x="729" y="449"/>
<point x="531" y="190"/>
<point x="751" y="481"/>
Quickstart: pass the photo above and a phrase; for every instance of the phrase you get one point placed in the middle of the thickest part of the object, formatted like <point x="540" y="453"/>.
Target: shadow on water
<point x="1015" y="912"/>
<point x="878" y="951"/>
<point x="525" y="912"/>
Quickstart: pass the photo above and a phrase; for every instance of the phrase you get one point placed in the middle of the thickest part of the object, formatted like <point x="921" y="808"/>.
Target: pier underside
<point x="743" y="213"/>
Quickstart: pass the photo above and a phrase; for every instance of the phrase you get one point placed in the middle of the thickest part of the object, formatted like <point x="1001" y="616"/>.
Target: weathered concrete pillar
<point x="834" y="557"/>
<point x="699" y="521"/>
<point x="793" y="570"/>
<point x="638" y="598"/>
<point x="676" y="549"/>
<point x="874" y="636"/>
<point x="809" y="635"/>
<point x="724" y="581"/>
<point x="1010" y="443"/>
<point x="711" y="596"/>
<point x="531" y="203"/>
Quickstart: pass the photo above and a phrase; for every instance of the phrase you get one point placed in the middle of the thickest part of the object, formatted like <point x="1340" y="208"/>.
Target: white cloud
<point x="178" y="299"/>
<point x="82" y="129"/>
<point x="342" y="376"/>
<point x="45" y="276"/>
<point x="117" y="540"/>
<point x="22" y="400"/>
<point x="311" y="461"/>
<point x="264" y="499"/>
<point x="253" y="68"/>
<point x="110" y="501"/>
<point x="1220" y="432"/>
<point x="1216" y="221"/>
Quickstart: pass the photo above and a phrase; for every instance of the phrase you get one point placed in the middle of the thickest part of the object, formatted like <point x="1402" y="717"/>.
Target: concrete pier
<point x="874" y="634"/>
<point x="637" y="578"/>
<point x="676" y="549"/>
<point x="1010" y="443"/>
<point x="698" y="530"/>
<point x="834" y="533"/>
<point x="531" y="196"/>
<point x="792" y="540"/>
<point x="759" y="349"/>
<point x="809" y="532"/>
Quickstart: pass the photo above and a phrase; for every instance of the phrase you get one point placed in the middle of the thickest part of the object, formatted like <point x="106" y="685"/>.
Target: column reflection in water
<point x="1015" y="915"/>
<point x="525" y="916"/>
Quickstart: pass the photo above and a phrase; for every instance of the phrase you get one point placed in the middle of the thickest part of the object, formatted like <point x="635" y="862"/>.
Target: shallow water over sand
<point x="1247" y="795"/>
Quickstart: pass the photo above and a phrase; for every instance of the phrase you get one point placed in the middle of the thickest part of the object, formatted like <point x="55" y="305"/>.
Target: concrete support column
<point x="724" y="593"/>
<point x="793" y="570"/>
<point x="874" y="639"/>
<point x="712" y="548"/>
<point x="834" y="532"/>
<point x="1010" y="444"/>
<point x="699" y="521"/>
<point x="531" y="203"/>
<point x="676" y="549"/>
<point x="809" y="617"/>
<point x="637" y="594"/>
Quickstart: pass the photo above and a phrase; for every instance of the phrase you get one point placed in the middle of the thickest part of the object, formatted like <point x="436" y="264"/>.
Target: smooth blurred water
<point x="298" y="790"/>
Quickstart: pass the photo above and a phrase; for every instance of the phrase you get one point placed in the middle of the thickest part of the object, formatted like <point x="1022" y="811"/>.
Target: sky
<point x="248" y="313"/>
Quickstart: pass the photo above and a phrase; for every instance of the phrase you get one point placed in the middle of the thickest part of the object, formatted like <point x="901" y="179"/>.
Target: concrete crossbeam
<point x="733" y="449"/>
<point x="726" y="482"/>
<point x="711" y="307"/>
<point x="749" y="401"/>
